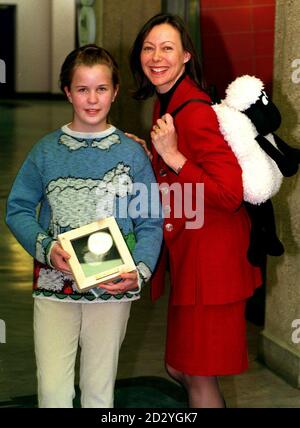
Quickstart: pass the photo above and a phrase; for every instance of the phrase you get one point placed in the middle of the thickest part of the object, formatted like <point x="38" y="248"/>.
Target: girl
<point x="211" y="277"/>
<point x="78" y="174"/>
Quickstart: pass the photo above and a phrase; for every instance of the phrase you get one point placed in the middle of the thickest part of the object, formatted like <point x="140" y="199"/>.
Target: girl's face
<point x="91" y="94"/>
<point x="163" y="57"/>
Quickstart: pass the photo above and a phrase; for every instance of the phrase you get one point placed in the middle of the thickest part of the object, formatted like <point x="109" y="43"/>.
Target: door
<point x="7" y="50"/>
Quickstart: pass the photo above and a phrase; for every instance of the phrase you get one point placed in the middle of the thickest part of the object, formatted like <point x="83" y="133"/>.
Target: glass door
<point x="7" y="50"/>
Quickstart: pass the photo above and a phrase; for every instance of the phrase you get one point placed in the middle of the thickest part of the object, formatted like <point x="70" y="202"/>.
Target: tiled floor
<point x="21" y="124"/>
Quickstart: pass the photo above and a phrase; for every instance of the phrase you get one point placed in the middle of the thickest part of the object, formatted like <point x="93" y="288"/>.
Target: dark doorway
<point x="7" y="49"/>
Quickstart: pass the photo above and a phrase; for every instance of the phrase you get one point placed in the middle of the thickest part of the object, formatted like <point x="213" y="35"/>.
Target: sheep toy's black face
<point x="264" y="115"/>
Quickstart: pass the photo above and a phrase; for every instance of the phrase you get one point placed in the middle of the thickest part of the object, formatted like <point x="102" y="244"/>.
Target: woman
<point x="211" y="277"/>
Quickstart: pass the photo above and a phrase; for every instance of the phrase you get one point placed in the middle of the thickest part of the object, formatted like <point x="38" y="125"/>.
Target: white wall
<point x="32" y="44"/>
<point x="45" y="32"/>
<point x="63" y="36"/>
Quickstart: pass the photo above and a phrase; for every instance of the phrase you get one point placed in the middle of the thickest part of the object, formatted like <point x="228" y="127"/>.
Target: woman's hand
<point x="141" y="142"/>
<point x="59" y="258"/>
<point x="164" y="139"/>
<point x="129" y="281"/>
<point x="164" y="136"/>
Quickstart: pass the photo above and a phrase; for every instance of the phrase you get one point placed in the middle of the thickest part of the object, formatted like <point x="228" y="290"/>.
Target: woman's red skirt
<point x="207" y="340"/>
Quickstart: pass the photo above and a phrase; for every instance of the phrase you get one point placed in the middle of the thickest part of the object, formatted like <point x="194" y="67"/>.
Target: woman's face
<point x="163" y="58"/>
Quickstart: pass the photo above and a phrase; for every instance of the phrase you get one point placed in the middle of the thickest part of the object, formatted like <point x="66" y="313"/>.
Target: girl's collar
<point x="87" y="135"/>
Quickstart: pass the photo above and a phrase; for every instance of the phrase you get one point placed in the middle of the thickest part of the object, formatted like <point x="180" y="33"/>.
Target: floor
<point x="23" y="122"/>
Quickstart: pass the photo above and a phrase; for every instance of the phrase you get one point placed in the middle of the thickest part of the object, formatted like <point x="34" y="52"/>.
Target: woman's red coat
<point x="210" y="262"/>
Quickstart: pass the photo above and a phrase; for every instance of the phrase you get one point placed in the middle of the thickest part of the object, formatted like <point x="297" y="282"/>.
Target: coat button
<point x="169" y="227"/>
<point x="162" y="172"/>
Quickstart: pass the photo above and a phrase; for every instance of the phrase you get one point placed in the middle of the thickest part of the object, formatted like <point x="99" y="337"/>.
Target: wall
<point x="118" y="23"/>
<point x="279" y="345"/>
<point x="45" y="34"/>
<point x="62" y="36"/>
<point x="237" y="38"/>
<point x="32" y="44"/>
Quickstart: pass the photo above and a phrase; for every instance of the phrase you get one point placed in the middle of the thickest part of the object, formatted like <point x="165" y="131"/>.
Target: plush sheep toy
<point x="247" y="119"/>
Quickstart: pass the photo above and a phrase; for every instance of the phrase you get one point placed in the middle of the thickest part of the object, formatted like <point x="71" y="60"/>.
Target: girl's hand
<point x="164" y="139"/>
<point x="141" y="142"/>
<point x="59" y="258"/>
<point x="129" y="282"/>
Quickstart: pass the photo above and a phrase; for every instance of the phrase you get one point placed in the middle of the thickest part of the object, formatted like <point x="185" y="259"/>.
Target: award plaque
<point x="98" y="253"/>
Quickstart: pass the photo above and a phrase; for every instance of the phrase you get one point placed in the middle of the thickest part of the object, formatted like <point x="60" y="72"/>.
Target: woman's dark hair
<point x="193" y="68"/>
<point x="87" y="55"/>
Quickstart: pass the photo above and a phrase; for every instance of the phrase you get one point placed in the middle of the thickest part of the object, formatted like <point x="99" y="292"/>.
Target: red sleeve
<point x="210" y="160"/>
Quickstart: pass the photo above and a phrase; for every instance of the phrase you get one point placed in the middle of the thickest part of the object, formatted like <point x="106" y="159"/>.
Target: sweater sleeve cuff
<point x="139" y="287"/>
<point x="144" y="275"/>
<point x="48" y="253"/>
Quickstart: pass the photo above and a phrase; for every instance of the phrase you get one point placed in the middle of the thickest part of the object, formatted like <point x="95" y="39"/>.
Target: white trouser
<point x="99" y="329"/>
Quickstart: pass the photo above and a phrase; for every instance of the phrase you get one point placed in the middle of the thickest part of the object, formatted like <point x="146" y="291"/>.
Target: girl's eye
<point x="102" y="89"/>
<point x="82" y="89"/>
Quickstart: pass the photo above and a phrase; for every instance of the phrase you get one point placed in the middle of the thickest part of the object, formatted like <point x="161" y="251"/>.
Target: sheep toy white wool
<point x="247" y="120"/>
<point x="240" y="133"/>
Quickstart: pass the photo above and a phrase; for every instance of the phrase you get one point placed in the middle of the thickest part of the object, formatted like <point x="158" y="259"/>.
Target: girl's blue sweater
<point x="70" y="179"/>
